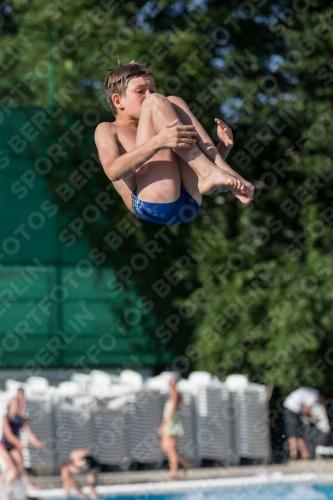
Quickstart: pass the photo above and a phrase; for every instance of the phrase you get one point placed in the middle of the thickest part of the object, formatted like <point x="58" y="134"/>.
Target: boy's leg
<point x="156" y="112"/>
<point x="162" y="165"/>
<point x="205" y="143"/>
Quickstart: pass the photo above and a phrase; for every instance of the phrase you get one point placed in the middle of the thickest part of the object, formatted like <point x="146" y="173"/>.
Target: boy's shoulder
<point x="105" y="130"/>
<point x="105" y="127"/>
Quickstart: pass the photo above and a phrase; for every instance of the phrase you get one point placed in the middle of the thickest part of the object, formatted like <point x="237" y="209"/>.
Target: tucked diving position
<point x="157" y="154"/>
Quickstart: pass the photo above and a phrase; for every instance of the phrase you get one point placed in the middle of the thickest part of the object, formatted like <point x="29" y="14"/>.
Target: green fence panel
<point x="52" y="314"/>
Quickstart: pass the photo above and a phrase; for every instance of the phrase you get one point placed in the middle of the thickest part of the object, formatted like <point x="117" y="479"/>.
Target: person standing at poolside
<point x="11" y="445"/>
<point x="171" y="429"/>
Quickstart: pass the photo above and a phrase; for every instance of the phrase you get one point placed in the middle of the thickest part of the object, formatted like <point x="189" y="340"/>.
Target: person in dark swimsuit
<point x="11" y="445"/>
<point x="80" y="462"/>
<point x="15" y="423"/>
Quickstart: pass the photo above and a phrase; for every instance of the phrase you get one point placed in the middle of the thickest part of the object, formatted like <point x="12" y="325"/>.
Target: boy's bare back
<point x="113" y="141"/>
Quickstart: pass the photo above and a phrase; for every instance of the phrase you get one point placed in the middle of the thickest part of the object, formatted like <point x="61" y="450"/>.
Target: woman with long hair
<point x="171" y="429"/>
<point x="11" y="446"/>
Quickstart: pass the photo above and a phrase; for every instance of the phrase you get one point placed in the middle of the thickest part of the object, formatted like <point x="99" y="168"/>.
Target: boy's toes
<point x="243" y="198"/>
<point x="241" y="187"/>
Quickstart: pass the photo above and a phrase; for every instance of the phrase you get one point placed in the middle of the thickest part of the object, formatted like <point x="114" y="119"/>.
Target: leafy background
<point x="254" y="293"/>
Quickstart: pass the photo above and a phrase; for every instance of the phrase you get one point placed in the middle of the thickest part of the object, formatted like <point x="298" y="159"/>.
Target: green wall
<point x="57" y="304"/>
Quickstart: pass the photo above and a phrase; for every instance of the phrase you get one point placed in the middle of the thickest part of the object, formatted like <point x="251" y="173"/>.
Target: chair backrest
<point x="236" y="382"/>
<point x="37" y="385"/>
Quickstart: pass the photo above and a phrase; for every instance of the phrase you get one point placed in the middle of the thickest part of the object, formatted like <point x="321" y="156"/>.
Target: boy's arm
<point x="116" y="166"/>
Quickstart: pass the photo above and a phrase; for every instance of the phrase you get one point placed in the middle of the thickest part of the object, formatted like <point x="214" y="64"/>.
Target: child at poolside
<point x="157" y="154"/>
<point x="171" y="429"/>
<point x="80" y="461"/>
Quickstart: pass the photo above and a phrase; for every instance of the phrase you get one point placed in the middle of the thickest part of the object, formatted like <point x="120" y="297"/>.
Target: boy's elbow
<point x="111" y="173"/>
<point x="112" y="176"/>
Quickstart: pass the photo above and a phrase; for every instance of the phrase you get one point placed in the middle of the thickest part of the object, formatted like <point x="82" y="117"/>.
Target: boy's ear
<point x="117" y="101"/>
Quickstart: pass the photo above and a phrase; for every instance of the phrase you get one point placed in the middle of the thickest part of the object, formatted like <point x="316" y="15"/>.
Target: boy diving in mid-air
<point x="157" y="154"/>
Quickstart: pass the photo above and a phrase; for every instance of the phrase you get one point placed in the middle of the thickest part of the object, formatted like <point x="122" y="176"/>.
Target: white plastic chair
<point x="236" y="382"/>
<point x="131" y="378"/>
<point x="200" y="378"/>
<point x="68" y="389"/>
<point x="100" y="377"/>
<point x="37" y="385"/>
<point x="81" y="379"/>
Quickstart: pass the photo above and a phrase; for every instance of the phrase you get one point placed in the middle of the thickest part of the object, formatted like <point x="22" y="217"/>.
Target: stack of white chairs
<point x="199" y="378"/>
<point x="82" y="381"/>
<point x="145" y="416"/>
<point x="100" y="384"/>
<point x="117" y="418"/>
<point x="37" y="385"/>
<point x="214" y="423"/>
<point x="41" y="423"/>
<point x="112" y="434"/>
<point x="106" y="386"/>
<point x="250" y="418"/>
<point x="74" y="428"/>
<point x="68" y="389"/>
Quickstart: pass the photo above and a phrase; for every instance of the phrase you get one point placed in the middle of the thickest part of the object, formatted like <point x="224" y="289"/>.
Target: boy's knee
<point x="175" y="99"/>
<point x="154" y="99"/>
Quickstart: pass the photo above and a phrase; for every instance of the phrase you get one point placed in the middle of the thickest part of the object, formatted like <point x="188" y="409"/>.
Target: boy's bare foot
<point x="218" y="177"/>
<point x="243" y="198"/>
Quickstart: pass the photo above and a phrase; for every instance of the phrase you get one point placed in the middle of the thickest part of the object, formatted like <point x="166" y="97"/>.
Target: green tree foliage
<point x="253" y="283"/>
<point x="265" y="307"/>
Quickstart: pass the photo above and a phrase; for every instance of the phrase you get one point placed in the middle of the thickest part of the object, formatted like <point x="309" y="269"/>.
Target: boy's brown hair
<point x="118" y="78"/>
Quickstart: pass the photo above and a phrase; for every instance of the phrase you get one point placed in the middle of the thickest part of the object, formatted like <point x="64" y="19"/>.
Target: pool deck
<point x="318" y="467"/>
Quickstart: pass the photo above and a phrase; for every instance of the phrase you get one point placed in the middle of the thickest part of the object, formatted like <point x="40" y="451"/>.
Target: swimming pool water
<point x="299" y="492"/>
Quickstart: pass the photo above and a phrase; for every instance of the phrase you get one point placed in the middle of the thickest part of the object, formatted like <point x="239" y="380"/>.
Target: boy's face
<point x="137" y="91"/>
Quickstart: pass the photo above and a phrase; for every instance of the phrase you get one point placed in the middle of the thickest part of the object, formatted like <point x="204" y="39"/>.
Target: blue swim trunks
<point x="176" y="212"/>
